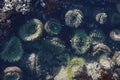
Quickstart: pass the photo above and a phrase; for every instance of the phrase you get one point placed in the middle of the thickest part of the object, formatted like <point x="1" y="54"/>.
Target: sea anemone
<point x="13" y="50"/>
<point x="52" y="45"/>
<point x="62" y="74"/>
<point x="93" y="69"/>
<point x="115" y="19"/>
<point x="115" y="35"/>
<point x="101" y="49"/>
<point x="80" y="42"/>
<point x="32" y="63"/>
<point x="105" y="62"/>
<point x="116" y="58"/>
<point x="32" y="30"/>
<point x="96" y="37"/>
<point x="74" y="18"/>
<point x="74" y="65"/>
<point x="101" y="18"/>
<point x="53" y="27"/>
<point x="12" y="73"/>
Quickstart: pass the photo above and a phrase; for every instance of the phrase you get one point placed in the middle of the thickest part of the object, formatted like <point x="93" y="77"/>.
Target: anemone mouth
<point x="115" y="35"/>
<point x="12" y="76"/>
<point x="79" y="42"/>
<point x="73" y="18"/>
<point x="32" y="30"/>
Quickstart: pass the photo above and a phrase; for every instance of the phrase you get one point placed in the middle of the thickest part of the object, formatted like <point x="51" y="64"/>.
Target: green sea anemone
<point x="52" y="45"/>
<point x="74" y="18"/>
<point x="74" y="65"/>
<point x="13" y="50"/>
<point x="12" y="73"/>
<point x="115" y="19"/>
<point x="96" y="37"/>
<point x="101" y="18"/>
<point x="32" y="30"/>
<point x="53" y="27"/>
<point x="80" y="42"/>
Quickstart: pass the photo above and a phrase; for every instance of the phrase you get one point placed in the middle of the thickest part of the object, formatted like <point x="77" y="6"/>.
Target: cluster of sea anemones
<point x="59" y="40"/>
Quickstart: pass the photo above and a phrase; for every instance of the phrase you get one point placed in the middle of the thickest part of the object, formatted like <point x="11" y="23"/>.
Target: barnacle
<point x="96" y="37"/>
<point x="115" y="19"/>
<point x="32" y="30"/>
<point x="105" y="62"/>
<point x="115" y="35"/>
<point x="80" y="42"/>
<point x="74" y="65"/>
<point x="12" y="73"/>
<point x="13" y="50"/>
<point x="52" y="45"/>
<point x="101" y="18"/>
<point x="53" y="27"/>
<point x="22" y="6"/>
<point x="101" y="49"/>
<point x="116" y="58"/>
<point x="74" y="18"/>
